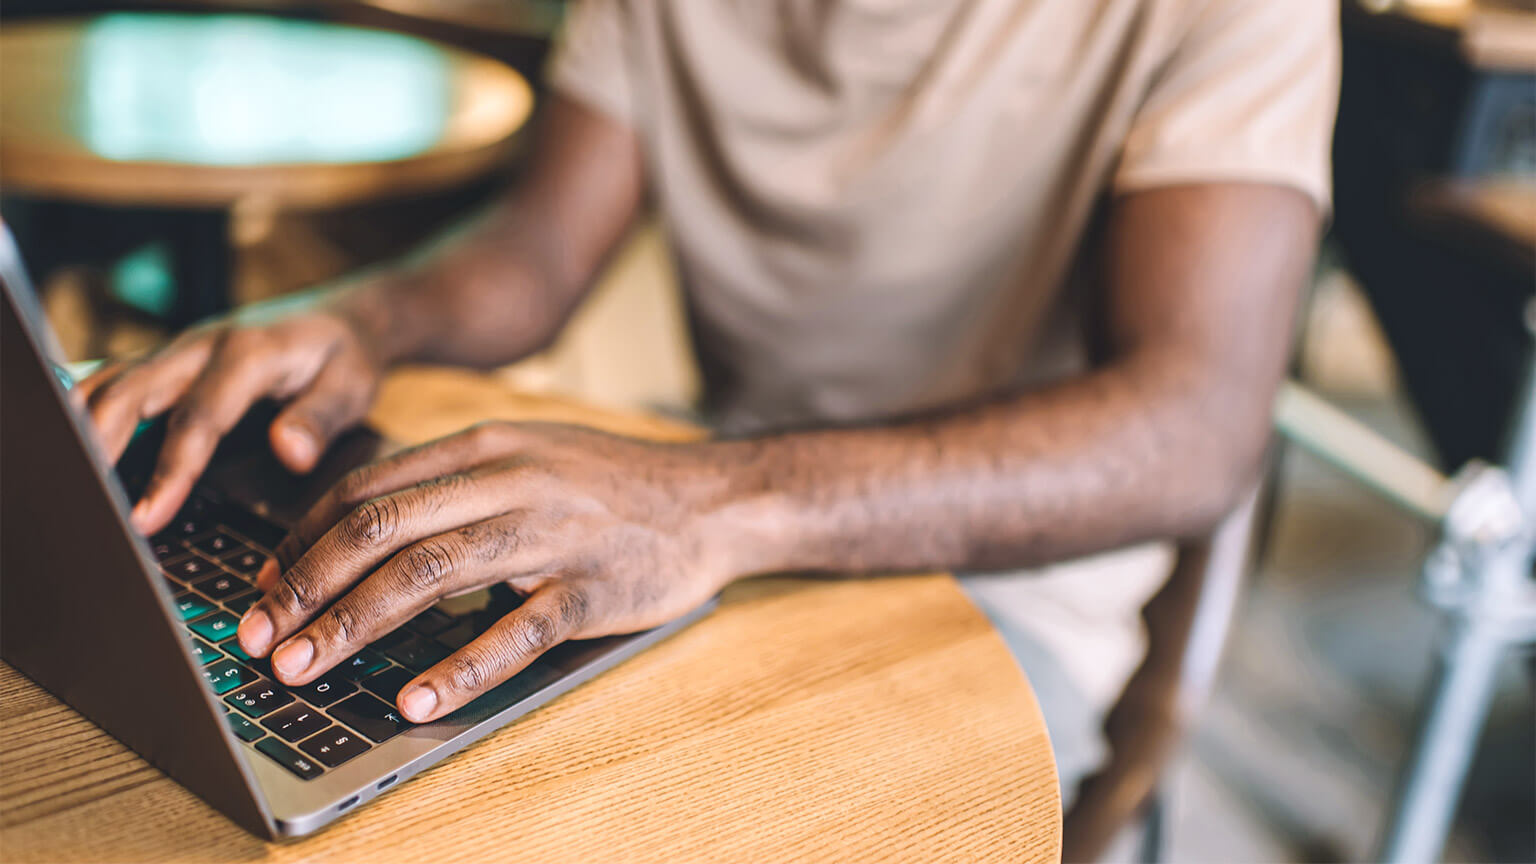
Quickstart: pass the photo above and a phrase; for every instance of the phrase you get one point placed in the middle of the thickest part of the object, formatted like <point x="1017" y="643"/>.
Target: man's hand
<point x="207" y="379"/>
<point x="489" y="294"/>
<point x="602" y="535"/>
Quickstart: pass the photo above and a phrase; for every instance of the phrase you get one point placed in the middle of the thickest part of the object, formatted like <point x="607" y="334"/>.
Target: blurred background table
<point x="858" y="720"/>
<point x="179" y="122"/>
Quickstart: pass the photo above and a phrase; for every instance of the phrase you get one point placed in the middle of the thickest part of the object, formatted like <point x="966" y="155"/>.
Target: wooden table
<point x="220" y="110"/>
<point x="207" y="125"/>
<point x="857" y="720"/>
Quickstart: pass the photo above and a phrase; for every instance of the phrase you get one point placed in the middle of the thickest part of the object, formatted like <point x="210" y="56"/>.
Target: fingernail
<point x="301" y="443"/>
<point x="417" y="703"/>
<point x="267" y="575"/>
<point x="254" y="632"/>
<point x="139" y="514"/>
<point x="293" y="658"/>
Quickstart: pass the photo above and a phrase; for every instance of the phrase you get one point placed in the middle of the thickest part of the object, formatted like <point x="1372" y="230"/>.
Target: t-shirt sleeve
<point x="593" y="59"/>
<point x="1248" y="95"/>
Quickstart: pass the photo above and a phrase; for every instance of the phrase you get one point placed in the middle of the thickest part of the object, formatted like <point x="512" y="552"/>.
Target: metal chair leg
<point x="1153" y="826"/>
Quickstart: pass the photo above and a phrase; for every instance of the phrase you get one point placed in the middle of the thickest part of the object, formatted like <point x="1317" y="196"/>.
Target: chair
<point x="1187" y="623"/>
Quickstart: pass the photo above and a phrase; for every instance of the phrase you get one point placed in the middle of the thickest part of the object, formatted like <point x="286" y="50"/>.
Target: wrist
<point x="384" y="310"/>
<point x="740" y="520"/>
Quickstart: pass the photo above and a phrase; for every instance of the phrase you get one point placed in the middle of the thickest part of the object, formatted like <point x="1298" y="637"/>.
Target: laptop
<point x="137" y="633"/>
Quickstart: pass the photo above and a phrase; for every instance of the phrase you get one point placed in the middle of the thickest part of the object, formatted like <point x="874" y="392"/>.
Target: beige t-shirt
<point x="876" y="205"/>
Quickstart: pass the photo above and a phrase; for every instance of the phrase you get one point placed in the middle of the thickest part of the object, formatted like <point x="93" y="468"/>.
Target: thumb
<point x="334" y="402"/>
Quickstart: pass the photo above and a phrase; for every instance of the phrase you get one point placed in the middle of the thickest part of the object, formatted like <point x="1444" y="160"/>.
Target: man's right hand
<point x="207" y="379"/>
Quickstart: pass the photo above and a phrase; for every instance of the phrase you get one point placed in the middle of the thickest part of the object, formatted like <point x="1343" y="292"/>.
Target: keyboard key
<point x="335" y="746"/>
<point x="390" y="639"/>
<point x="216" y="627"/>
<point x="388" y="684"/>
<point x="296" y="722"/>
<point x="326" y="689"/>
<point x="417" y="654"/>
<point x="221" y="586"/>
<point x="233" y="649"/>
<point x="430" y="622"/>
<point x="289" y="758"/>
<point x="165" y="548"/>
<point x="189" y="606"/>
<point x="361" y="665"/>
<point x="189" y="568"/>
<point x="379" y="721"/>
<point x="226" y="675"/>
<point x="252" y="527"/>
<point x="216" y="545"/>
<point x="245" y="561"/>
<point x="204" y="653"/>
<point x="242" y="602"/>
<point x="185" y="525"/>
<point x="244" y="729"/>
<point x="259" y="699"/>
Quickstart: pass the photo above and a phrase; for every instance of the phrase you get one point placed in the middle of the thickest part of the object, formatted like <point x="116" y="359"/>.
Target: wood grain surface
<point x="1492" y="216"/>
<point x="48" y="90"/>
<point x="805" y="720"/>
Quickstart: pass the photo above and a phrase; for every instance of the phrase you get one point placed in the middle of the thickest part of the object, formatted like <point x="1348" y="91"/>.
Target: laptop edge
<point x="118" y="659"/>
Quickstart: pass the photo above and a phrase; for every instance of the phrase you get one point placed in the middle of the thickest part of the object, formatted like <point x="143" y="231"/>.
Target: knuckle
<point x="485" y="435"/>
<point x="491" y="541"/>
<point x="536" y="632"/>
<point x="288" y="551"/>
<point x="191" y="414"/>
<point x="469" y="671"/>
<point x="433" y="494"/>
<point x="373" y="523"/>
<point x="326" y="416"/>
<point x="111" y="390"/>
<point x="341" y="624"/>
<point x="426" y="565"/>
<point x="294" y="594"/>
<point x="353" y="489"/>
<point x="574" y="608"/>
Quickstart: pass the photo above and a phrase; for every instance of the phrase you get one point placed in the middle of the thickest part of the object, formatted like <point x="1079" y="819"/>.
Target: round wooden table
<point x="194" y="117"/>
<point x="215" y="110"/>
<point x="804" y="720"/>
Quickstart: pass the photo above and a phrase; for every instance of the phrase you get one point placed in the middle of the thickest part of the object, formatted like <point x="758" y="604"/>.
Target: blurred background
<point x="160" y="164"/>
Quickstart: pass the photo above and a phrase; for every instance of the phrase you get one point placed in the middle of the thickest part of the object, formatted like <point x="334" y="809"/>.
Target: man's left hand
<point x="602" y="535"/>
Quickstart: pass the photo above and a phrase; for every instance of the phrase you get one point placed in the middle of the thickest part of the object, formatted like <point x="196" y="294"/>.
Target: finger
<point x="400" y="470"/>
<point x="80" y="394"/>
<point x="336" y="400"/>
<point x="142" y="390"/>
<point x="548" y="617"/>
<point x="363" y="540"/>
<point x="227" y="387"/>
<point x="420" y="575"/>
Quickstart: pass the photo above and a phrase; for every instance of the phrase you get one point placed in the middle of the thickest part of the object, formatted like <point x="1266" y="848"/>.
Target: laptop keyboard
<point x="209" y="557"/>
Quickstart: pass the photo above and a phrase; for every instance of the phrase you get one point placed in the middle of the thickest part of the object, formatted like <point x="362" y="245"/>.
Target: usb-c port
<point x="387" y="781"/>
<point x="348" y="803"/>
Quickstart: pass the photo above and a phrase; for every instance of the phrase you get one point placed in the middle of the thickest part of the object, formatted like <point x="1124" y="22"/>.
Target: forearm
<point x="1201" y="286"/>
<point x="1130" y="453"/>
<point x="487" y="294"/>
<point x="501" y="286"/>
